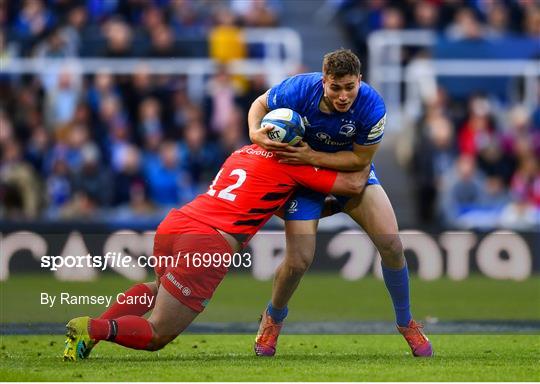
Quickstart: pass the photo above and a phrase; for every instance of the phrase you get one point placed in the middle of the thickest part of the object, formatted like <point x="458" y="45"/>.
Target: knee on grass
<point x="160" y="338"/>
<point x="159" y="341"/>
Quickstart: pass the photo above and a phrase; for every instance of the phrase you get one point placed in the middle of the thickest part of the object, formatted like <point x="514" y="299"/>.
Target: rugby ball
<point x="288" y="126"/>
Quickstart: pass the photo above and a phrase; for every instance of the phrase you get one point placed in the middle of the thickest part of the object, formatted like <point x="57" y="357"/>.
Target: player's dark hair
<point x="341" y="62"/>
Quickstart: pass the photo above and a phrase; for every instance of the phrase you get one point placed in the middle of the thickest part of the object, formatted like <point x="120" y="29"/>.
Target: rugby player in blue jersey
<point x="345" y="121"/>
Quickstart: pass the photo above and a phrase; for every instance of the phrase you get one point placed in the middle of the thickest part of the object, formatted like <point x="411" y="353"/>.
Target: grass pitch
<point x="320" y="297"/>
<point x="299" y="358"/>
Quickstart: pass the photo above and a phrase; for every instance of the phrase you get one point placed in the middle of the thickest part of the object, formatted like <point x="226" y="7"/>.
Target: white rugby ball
<point x="288" y="126"/>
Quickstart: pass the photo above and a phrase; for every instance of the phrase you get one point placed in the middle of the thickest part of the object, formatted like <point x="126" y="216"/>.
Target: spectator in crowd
<point x="465" y="26"/>
<point x="55" y="46"/>
<point x="523" y="213"/>
<point x="184" y="110"/>
<point x="520" y="216"/>
<point x="63" y="98"/>
<point x="70" y="143"/>
<point x="434" y="156"/>
<point x="7" y="50"/>
<point x="27" y="110"/>
<point x="152" y="18"/>
<point x="199" y="157"/>
<point x="226" y="40"/>
<point x="33" y="20"/>
<point x="162" y="42"/>
<point x="497" y="21"/>
<point x="59" y="188"/>
<point x="520" y="128"/>
<point x="525" y="184"/>
<point x="494" y="162"/>
<point x="531" y="22"/>
<point x="168" y="184"/>
<point x="257" y="85"/>
<point x="392" y="19"/>
<point x="37" y="148"/>
<point x="256" y="13"/>
<point x="222" y="99"/>
<point x="6" y="133"/>
<point x="102" y="87"/>
<point x="20" y="184"/>
<point x="191" y="18"/>
<point x="74" y="29"/>
<point x="128" y="178"/>
<point x="141" y="87"/>
<point x="478" y="130"/>
<point x="234" y="136"/>
<point x="93" y="179"/>
<point x="462" y="190"/>
<point x="150" y="118"/>
<point x="426" y="15"/>
<point x="99" y="10"/>
<point x="118" y="39"/>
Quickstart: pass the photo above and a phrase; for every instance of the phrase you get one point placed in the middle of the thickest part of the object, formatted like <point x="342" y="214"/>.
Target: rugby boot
<point x="417" y="340"/>
<point x="78" y="343"/>
<point x="267" y="336"/>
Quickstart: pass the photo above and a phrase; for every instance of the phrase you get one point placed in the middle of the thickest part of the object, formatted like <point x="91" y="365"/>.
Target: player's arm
<point x="329" y="181"/>
<point x="359" y="158"/>
<point x="350" y="183"/>
<point x="257" y="134"/>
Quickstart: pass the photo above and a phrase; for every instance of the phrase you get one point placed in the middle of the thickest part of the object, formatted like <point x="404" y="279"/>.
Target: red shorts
<point x="178" y="238"/>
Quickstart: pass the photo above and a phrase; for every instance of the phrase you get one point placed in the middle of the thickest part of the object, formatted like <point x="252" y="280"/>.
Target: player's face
<point x="341" y="92"/>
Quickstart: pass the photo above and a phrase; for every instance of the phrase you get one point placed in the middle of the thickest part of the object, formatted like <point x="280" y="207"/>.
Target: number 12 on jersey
<point x="226" y="192"/>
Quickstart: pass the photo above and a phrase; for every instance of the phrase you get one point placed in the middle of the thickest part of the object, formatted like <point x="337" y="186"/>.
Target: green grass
<point x="320" y="297"/>
<point x="300" y="358"/>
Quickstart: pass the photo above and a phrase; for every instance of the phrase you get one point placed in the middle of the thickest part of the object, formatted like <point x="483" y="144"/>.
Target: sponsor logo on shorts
<point x="186" y="291"/>
<point x="293" y="206"/>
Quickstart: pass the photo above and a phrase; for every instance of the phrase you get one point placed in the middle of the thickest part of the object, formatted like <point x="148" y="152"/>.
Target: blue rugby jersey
<point x="362" y="124"/>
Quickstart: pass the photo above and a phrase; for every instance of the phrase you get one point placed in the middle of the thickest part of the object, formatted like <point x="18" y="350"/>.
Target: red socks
<point x="131" y="303"/>
<point x="128" y="328"/>
<point x="130" y="331"/>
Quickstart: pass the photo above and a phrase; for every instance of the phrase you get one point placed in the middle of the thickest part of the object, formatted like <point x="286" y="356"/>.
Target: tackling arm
<point x="356" y="160"/>
<point x="359" y="158"/>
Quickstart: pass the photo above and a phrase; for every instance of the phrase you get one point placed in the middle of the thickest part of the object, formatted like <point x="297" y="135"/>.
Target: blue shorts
<point x="306" y="204"/>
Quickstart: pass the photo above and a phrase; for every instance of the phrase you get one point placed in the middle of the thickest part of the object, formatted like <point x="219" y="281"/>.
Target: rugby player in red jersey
<point x="250" y="187"/>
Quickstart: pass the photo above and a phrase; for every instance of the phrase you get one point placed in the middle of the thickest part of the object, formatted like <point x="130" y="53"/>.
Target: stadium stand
<point x="105" y="145"/>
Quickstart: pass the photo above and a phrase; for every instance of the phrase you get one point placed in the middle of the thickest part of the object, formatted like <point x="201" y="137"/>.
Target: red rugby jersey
<point x="249" y="188"/>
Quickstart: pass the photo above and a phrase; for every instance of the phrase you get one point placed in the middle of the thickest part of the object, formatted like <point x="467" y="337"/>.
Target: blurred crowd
<point x="474" y="161"/>
<point x="477" y="167"/>
<point x="452" y="19"/>
<point x="129" y="146"/>
<point x="119" y="146"/>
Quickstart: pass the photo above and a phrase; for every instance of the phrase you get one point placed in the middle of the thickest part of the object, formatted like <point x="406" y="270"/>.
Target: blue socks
<point x="397" y="283"/>
<point x="278" y="315"/>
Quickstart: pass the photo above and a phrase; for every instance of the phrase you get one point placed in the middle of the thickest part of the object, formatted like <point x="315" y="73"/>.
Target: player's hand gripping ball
<point x="288" y="126"/>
